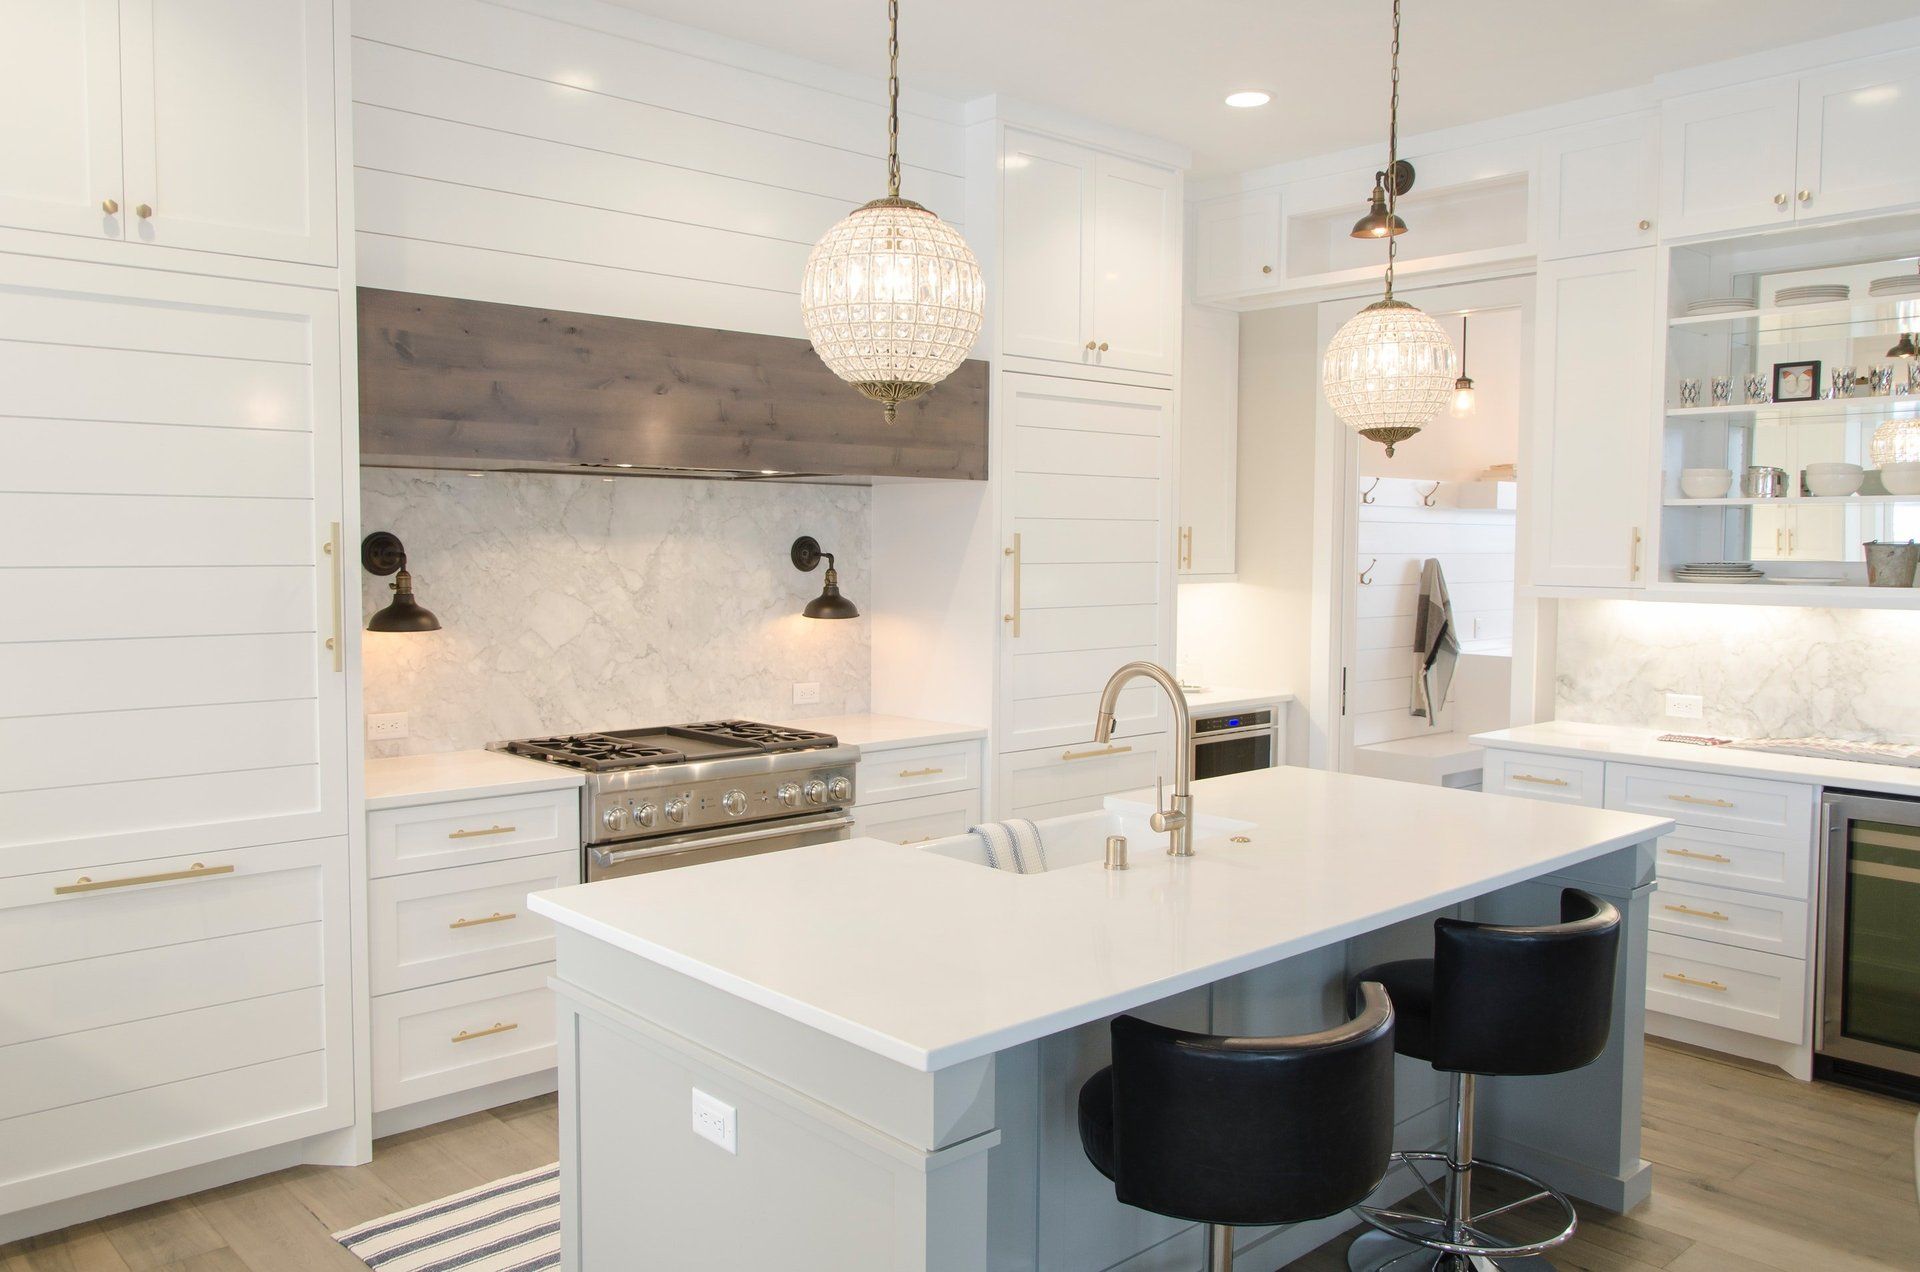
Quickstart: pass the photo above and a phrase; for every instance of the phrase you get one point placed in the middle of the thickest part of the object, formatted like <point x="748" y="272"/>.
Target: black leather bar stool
<point x="1505" y="1001"/>
<point x="1237" y="1132"/>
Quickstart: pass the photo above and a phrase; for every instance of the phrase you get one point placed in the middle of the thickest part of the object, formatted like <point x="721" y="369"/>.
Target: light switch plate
<point x="1685" y="706"/>
<point x="387" y="727"/>
<point x="714" y="1120"/>
<point x="806" y="693"/>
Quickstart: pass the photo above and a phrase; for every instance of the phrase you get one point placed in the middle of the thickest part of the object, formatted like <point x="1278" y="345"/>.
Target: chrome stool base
<point x="1405" y="1242"/>
<point x="1376" y="1251"/>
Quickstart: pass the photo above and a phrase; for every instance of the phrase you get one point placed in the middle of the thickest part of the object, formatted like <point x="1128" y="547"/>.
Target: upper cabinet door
<point x="1856" y="124"/>
<point x="1047" y="249"/>
<point x="229" y="122"/>
<point x="1237" y="245"/>
<point x="1136" y="270"/>
<point x="1727" y="159"/>
<point x="60" y="117"/>
<point x="1593" y="422"/>
<point x="1209" y="441"/>
<point x="1599" y="188"/>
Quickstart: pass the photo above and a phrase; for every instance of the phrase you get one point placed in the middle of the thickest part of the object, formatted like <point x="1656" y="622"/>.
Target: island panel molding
<point x="469" y="384"/>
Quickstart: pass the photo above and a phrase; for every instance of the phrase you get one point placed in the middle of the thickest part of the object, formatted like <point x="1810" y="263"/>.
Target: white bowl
<point x="1901" y="479"/>
<point x="1829" y="480"/>
<point x="1706" y="483"/>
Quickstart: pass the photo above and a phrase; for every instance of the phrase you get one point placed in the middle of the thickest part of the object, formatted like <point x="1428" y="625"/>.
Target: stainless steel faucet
<point x="1176" y="820"/>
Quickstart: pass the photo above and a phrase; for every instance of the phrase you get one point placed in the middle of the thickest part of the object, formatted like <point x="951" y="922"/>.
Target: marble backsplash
<point x="1770" y="671"/>
<point x="572" y="602"/>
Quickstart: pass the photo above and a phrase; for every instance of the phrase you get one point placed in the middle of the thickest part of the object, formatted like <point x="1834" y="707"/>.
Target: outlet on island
<point x="1685" y="706"/>
<point x="713" y="1120"/>
<point x="387" y="727"/>
<point x="806" y="693"/>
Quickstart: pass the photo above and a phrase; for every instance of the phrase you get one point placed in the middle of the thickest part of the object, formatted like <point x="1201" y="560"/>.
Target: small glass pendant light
<point x="1905" y="347"/>
<point x="1462" y="387"/>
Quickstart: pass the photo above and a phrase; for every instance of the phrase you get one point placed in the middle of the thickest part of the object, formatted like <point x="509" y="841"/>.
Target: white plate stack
<point x="1721" y="305"/>
<point x="1718" y="572"/>
<point x="1896" y="286"/>
<point x="1812" y="294"/>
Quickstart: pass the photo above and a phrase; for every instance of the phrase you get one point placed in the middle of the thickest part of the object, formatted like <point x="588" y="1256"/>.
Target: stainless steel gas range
<point x="657" y="799"/>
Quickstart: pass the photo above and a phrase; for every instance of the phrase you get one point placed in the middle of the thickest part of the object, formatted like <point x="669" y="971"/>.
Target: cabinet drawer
<point x="912" y="821"/>
<point x="432" y="836"/>
<point x="445" y="1038"/>
<point x="920" y="770"/>
<point x="1753" y="863"/>
<point x="1751" y="920"/>
<point x="1077" y="778"/>
<point x="1713" y="801"/>
<point x="1552" y="777"/>
<point x="1763" y="994"/>
<point x="442" y="925"/>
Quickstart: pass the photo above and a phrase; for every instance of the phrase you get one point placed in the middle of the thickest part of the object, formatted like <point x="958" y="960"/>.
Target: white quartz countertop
<point x="931" y="961"/>
<point x="890" y="730"/>
<point x="1617" y="742"/>
<point x="1226" y="698"/>
<point x="403" y="780"/>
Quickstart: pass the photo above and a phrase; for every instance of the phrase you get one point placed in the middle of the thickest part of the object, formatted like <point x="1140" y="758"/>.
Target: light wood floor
<point x="1752" y="1171"/>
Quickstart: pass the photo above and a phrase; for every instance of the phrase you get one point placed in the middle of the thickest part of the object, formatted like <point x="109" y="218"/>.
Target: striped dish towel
<point x="1013" y="844"/>
<point x="509" y="1225"/>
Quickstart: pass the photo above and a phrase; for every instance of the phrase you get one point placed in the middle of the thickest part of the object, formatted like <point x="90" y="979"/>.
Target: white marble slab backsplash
<point x="1772" y="671"/>
<point x="572" y="602"/>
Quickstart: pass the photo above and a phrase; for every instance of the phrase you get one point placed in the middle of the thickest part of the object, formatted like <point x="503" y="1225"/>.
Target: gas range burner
<point x="763" y="737"/>
<point x="595" y="752"/>
<point x="617" y="749"/>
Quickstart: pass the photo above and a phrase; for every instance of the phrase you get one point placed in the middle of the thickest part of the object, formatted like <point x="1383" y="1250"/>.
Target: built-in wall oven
<point x="1868" y="1024"/>
<point x="1234" y="742"/>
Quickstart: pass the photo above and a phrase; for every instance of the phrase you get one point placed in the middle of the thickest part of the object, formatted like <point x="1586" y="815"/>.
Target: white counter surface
<point x="1615" y="742"/>
<point x="403" y="780"/>
<point x="1227" y="698"/>
<point x="930" y="961"/>
<point x="887" y="730"/>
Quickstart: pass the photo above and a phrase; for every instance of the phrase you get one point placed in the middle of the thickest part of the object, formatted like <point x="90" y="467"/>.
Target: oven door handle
<point x="1229" y="735"/>
<point x="780" y="830"/>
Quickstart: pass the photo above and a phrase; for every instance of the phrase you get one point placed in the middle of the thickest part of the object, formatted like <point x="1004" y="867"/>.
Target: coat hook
<point x="1366" y="575"/>
<point x="1427" y="498"/>
<point x="1366" y="496"/>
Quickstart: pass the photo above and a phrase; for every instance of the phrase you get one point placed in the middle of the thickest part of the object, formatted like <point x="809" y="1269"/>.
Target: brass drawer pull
<point x="1095" y="754"/>
<point x="475" y="834"/>
<point x="498" y="1028"/>
<point x="195" y="871"/>
<point x="1696" y="799"/>
<point x="1715" y="986"/>
<point x="925" y="772"/>
<point x="1699" y="856"/>
<point x="1540" y="781"/>
<point x="1715" y="915"/>
<point x="923" y="839"/>
<point x="495" y="917"/>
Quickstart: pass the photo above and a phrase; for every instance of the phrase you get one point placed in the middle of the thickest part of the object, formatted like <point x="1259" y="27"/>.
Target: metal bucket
<point x="1892" y="564"/>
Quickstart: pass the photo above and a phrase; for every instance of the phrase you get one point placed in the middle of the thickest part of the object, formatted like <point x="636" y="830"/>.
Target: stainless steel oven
<point x="1870" y="968"/>
<point x="1234" y="742"/>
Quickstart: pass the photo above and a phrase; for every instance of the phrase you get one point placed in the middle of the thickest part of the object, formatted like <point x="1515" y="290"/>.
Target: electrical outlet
<point x="1685" y="706"/>
<point x="806" y="693"/>
<point x="388" y="727"/>
<point x="713" y="1120"/>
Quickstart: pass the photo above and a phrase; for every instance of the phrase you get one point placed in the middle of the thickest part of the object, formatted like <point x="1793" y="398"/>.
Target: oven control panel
<point x="660" y="809"/>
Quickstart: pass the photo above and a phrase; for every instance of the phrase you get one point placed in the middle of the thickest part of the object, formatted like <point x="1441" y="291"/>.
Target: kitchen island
<point x="859" y="1055"/>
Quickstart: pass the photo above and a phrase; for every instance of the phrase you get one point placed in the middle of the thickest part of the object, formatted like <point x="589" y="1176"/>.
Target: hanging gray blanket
<point x="1435" y="642"/>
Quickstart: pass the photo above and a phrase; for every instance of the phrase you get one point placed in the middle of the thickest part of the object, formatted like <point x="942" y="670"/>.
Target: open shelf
<point x="1823" y="408"/>
<point x="1877" y="316"/>
<point x="1839" y="501"/>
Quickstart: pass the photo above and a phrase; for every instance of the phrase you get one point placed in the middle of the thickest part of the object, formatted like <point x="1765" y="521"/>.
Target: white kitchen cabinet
<point x="1599" y="187"/>
<point x="913" y="821"/>
<point x="459" y="1036"/>
<point x="1793" y="532"/>
<point x="1594" y="419"/>
<point x="1091" y="247"/>
<point x="1857" y="123"/>
<point x="60" y="117"/>
<point x="1209" y="442"/>
<point x="1059" y="781"/>
<point x="910" y="792"/>
<point x="1236" y="245"/>
<point x="1727" y="159"/>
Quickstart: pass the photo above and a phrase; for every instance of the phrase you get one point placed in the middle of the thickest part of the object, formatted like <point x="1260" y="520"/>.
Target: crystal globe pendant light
<point x="1391" y="368"/>
<point x="892" y="295"/>
<point x="1896" y="442"/>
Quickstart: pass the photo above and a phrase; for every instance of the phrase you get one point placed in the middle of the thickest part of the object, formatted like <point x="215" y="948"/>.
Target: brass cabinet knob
<point x="144" y="210"/>
<point x="1266" y="269"/>
<point x="1780" y="200"/>
<point x="1646" y="225"/>
<point x="1103" y="346"/>
<point x="1806" y="196"/>
<point x="109" y="206"/>
<point x="1090" y="346"/>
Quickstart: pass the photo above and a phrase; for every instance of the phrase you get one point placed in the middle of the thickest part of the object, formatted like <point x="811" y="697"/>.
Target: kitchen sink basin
<point x="1081" y="838"/>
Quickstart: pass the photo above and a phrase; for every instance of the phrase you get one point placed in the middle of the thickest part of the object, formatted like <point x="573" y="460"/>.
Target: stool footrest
<point x="1433" y="1232"/>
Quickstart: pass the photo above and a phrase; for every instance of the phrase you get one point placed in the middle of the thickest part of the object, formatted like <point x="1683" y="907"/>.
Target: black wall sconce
<point x="381" y="553"/>
<point x="1380" y="222"/>
<point x="806" y="556"/>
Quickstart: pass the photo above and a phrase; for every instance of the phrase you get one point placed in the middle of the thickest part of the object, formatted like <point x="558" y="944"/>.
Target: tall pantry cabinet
<point x="179" y="691"/>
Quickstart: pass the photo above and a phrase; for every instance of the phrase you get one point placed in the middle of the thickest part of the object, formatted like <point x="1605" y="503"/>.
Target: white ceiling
<point x="1161" y="67"/>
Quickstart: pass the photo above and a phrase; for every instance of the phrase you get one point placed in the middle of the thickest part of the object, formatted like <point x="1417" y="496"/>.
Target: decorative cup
<point x="1883" y="381"/>
<point x="1839" y="382"/>
<point x="1757" y="389"/>
<point x="1913" y="377"/>
<point x="1722" y="390"/>
<point x="1689" y="393"/>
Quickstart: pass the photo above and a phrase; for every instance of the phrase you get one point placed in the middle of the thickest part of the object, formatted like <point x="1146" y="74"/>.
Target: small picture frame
<point x="1796" y="381"/>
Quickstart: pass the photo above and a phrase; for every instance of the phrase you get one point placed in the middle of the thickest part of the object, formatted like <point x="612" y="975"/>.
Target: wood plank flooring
<point x="1753" y="1171"/>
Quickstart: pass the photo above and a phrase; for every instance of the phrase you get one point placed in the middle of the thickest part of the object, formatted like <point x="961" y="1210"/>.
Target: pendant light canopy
<point x="1390" y="369"/>
<point x="892" y="295"/>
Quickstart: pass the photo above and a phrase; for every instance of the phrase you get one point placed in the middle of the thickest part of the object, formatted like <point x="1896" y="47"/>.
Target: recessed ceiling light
<point x="1251" y="98"/>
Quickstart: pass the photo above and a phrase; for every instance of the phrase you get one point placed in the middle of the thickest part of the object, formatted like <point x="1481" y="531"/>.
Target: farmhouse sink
<point x="1081" y="838"/>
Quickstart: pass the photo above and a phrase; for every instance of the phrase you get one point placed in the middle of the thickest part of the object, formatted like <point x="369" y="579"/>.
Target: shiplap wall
<point x="1397" y="533"/>
<point x="573" y="155"/>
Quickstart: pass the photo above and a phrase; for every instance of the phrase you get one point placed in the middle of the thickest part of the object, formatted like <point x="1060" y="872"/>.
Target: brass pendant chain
<point x="1393" y="149"/>
<point x="893" y="96"/>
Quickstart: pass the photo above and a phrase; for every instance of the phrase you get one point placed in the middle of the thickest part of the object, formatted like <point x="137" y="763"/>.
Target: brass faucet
<point x="1175" y="820"/>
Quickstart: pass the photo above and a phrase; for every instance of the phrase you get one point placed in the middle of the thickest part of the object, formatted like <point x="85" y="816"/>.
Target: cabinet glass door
<point x="1880" y="986"/>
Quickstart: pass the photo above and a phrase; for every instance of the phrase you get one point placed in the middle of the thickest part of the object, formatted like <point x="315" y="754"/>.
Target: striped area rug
<point x="509" y="1225"/>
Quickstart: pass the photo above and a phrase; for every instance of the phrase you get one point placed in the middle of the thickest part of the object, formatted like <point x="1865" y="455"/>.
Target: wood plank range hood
<point x="472" y="385"/>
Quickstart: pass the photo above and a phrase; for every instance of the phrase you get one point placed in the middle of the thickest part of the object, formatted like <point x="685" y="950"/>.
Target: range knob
<point x="735" y="802"/>
<point x="645" y="815"/>
<point x="615" y="818"/>
<point x="677" y="808"/>
<point x="789" y="794"/>
<point x="816" y="791"/>
<point x="838" y="789"/>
